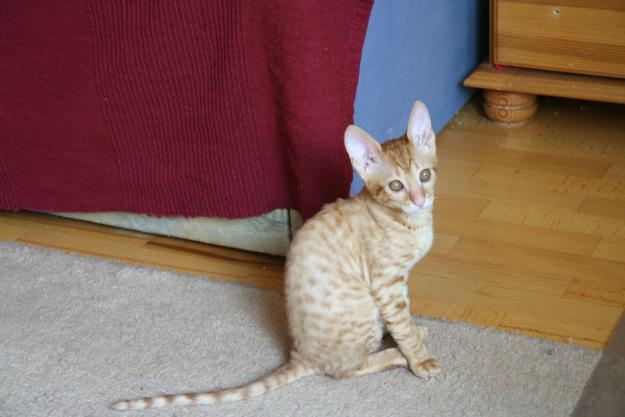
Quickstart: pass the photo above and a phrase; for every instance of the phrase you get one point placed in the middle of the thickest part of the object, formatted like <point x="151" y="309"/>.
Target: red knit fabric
<point x="226" y="108"/>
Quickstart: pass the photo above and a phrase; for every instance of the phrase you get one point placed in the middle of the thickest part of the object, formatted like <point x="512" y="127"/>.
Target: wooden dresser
<point x="565" y="48"/>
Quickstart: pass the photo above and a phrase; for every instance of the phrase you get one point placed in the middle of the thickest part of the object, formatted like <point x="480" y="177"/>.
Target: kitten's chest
<point x="407" y="249"/>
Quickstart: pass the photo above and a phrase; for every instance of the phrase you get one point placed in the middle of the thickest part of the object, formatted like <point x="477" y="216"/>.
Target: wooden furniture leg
<point x="509" y="109"/>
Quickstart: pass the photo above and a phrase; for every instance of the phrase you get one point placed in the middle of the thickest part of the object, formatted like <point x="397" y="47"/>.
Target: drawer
<point x="577" y="36"/>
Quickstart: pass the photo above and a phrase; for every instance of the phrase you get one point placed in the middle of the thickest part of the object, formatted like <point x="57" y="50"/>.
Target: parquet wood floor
<point x="530" y="228"/>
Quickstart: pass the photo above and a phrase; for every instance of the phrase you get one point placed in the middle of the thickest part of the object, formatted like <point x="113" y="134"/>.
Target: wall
<point x="417" y="49"/>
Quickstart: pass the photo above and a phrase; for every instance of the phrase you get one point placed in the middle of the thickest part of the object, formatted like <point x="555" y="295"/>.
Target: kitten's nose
<point x="417" y="197"/>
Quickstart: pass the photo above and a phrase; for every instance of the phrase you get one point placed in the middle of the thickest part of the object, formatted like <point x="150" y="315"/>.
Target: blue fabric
<point x="417" y="49"/>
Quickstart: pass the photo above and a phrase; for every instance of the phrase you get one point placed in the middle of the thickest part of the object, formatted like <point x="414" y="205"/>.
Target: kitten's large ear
<point x="364" y="151"/>
<point x="419" y="129"/>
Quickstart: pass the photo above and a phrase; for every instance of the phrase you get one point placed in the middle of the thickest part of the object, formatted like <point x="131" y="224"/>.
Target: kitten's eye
<point x="425" y="175"/>
<point x="396" y="185"/>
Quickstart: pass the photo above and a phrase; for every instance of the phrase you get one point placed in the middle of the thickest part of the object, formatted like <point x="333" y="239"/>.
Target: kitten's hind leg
<point x="387" y="358"/>
<point x="383" y="360"/>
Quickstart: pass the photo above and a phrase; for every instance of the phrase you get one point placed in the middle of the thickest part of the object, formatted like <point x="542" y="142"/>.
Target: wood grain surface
<point x="530" y="228"/>
<point x="576" y="37"/>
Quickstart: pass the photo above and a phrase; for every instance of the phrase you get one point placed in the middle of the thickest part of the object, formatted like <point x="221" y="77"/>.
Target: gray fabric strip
<point x="604" y="394"/>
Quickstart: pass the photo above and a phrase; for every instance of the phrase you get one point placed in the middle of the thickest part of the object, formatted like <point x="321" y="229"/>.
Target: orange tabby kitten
<point x="347" y="270"/>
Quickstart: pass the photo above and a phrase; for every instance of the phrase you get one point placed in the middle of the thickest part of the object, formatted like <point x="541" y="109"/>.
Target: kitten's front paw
<point x="423" y="331"/>
<point x="427" y="368"/>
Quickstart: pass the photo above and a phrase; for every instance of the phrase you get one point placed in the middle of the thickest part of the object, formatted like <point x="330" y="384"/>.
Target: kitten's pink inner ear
<point x="364" y="151"/>
<point x="420" y="126"/>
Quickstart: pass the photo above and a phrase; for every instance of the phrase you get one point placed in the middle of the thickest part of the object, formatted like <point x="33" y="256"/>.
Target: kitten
<point x="347" y="270"/>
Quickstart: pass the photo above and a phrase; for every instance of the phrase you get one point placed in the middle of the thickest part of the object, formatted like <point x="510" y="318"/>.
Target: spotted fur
<point x="347" y="271"/>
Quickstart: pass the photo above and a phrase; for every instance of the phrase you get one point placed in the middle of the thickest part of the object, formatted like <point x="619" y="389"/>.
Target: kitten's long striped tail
<point x="288" y="373"/>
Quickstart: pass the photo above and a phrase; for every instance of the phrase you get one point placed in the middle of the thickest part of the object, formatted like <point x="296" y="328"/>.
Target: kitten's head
<point x="401" y="173"/>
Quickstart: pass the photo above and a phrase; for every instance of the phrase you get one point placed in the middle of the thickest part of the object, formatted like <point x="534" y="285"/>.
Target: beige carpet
<point x="77" y="333"/>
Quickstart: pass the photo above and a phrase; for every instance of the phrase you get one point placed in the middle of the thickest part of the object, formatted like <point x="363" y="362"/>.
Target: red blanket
<point x="225" y="108"/>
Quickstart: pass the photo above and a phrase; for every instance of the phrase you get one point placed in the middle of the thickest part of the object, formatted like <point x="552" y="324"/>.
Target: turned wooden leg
<point x="509" y="109"/>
